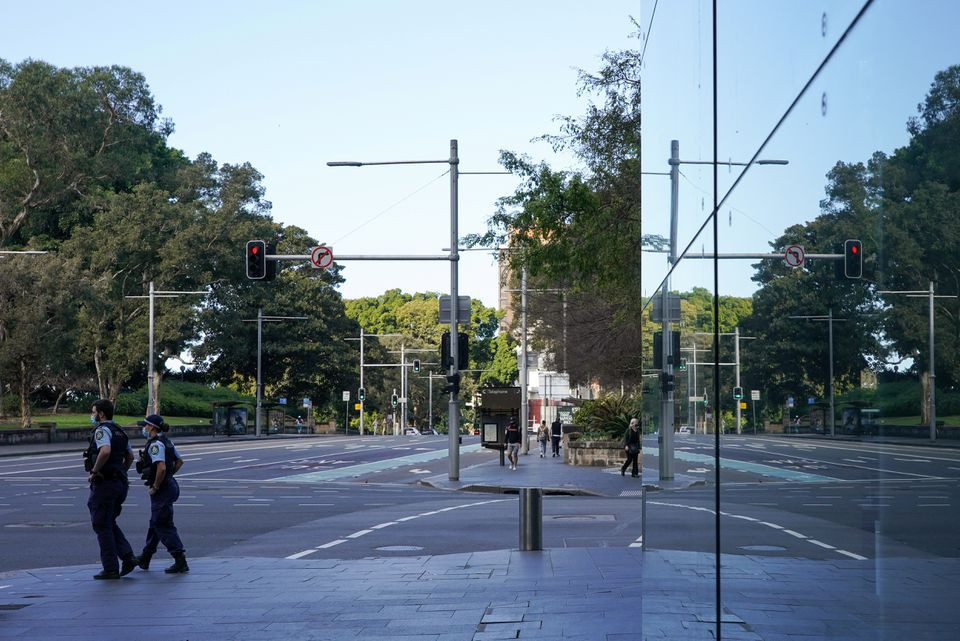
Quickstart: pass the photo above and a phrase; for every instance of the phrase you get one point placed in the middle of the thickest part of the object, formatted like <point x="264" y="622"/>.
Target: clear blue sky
<point x="289" y="86"/>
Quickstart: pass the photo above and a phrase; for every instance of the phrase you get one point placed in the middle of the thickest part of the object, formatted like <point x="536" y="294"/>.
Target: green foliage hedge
<point x="176" y="399"/>
<point x="607" y="416"/>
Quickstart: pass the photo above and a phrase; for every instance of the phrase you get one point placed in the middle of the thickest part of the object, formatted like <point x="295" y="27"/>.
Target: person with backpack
<point x="543" y="435"/>
<point x="107" y="458"/>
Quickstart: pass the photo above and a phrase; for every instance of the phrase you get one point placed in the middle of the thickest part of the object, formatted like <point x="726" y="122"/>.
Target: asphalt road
<point x="812" y="498"/>
<point x="350" y="497"/>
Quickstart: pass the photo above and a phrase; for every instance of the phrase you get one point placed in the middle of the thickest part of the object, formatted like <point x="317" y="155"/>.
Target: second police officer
<point x="159" y="462"/>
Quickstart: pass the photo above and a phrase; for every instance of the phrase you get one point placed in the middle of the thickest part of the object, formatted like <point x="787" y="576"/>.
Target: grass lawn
<point x="915" y="420"/>
<point x="83" y="420"/>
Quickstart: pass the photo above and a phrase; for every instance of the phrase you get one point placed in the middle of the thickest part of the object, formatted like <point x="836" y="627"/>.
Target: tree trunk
<point x="925" y="395"/>
<point x="24" y="396"/>
<point x="157" y="377"/>
<point x="56" y="405"/>
<point x="101" y="384"/>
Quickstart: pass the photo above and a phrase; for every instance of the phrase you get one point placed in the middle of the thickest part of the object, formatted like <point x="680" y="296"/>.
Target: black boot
<point x="126" y="567"/>
<point x="144" y="560"/>
<point x="107" y="575"/>
<point x="179" y="564"/>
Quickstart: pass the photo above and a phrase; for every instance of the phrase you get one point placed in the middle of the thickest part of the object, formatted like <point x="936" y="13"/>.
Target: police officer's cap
<point x="154" y="419"/>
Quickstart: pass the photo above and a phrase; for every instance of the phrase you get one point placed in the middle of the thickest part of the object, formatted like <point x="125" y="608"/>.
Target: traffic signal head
<point x="453" y="384"/>
<point x="852" y="258"/>
<point x="393" y="400"/>
<point x="361" y="394"/>
<point x="416" y="365"/>
<point x="256" y="259"/>
<point x="683" y="364"/>
<point x="738" y="393"/>
<point x="667" y="382"/>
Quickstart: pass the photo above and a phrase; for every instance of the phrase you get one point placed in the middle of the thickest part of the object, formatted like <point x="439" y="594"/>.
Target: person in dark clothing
<point x="631" y="443"/>
<point x="107" y="459"/>
<point x="556" y="432"/>
<point x="512" y="437"/>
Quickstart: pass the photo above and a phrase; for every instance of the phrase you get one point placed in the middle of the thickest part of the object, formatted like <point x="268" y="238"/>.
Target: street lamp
<point x="933" y="378"/>
<point x="666" y="447"/>
<point x="453" y="417"/>
<point x="154" y="293"/>
<point x="829" y="318"/>
<point x="260" y="320"/>
<point x="362" y="335"/>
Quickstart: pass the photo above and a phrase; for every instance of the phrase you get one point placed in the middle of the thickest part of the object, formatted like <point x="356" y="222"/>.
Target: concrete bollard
<point x="531" y="519"/>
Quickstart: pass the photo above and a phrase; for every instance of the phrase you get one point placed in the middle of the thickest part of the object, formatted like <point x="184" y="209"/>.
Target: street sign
<point x="321" y="257"/>
<point x="789" y="401"/>
<point x="346" y="396"/>
<point x="743" y="405"/>
<point x="754" y="395"/>
<point x="793" y="256"/>
<point x="695" y="399"/>
<point x="306" y="402"/>
<point x="356" y="406"/>
<point x="811" y="400"/>
<point x="402" y="399"/>
<point x="282" y="401"/>
<point x="673" y="305"/>
<point x="463" y="310"/>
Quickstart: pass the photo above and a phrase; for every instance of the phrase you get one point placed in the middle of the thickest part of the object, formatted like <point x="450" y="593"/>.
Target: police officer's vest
<point x="114" y="467"/>
<point x="169" y="458"/>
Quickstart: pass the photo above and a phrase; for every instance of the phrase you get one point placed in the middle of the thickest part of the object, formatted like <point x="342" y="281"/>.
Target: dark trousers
<point x="105" y="503"/>
<point x="162" y="529"/>
<point x="556" y="445"/>
<point x="632" y="456"/>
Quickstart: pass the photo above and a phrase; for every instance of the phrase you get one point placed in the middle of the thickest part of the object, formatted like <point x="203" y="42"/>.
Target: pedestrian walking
<point x="107" y="458"/>
<point x="556" y="433"/>
<point x="543" y="435"/>
<point x="631" y="443"/>
<point x="159" y="462"/>
<point x="513" y="443"/>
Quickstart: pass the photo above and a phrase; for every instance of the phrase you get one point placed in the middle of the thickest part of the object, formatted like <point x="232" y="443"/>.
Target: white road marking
<point x="250" y="505"/>
<point x="766" y="523"/>
<point x="300" y="555"/>
<point x="331" y="544"/>
<point x="912" y="460"/>
<point x="818" y="504"/>
<point x="357" y="535"/>
<point x="382" y="525"/>
<point x="933" y="505"/>
<point x="315" y="504"/>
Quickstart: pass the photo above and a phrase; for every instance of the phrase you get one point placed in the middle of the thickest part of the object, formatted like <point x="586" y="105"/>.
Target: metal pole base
<point x="531" y="519"/>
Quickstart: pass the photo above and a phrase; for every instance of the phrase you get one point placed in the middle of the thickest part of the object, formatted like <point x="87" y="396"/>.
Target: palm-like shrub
<point x="607" y="416"/>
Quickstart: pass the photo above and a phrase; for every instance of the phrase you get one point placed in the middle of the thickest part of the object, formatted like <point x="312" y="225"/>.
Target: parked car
<point x="685" y="429"/>
<point x="411" y="431"/>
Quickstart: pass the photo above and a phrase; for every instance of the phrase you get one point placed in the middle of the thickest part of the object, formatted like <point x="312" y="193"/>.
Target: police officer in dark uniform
<point x="107" y="460"/>
<point x="159" y="461"/>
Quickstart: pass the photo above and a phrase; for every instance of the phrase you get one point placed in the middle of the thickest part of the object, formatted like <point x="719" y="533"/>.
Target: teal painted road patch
<point x="746" y="466"/>
<point x="373" y="467"/>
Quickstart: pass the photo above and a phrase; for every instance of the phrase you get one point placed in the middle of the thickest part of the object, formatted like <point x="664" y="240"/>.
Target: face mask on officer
<point x="93" y="419"/>
<point x="146" y="431"/>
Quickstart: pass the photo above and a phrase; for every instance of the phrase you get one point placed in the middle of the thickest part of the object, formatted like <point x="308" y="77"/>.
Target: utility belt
<point x="110" y="476"/>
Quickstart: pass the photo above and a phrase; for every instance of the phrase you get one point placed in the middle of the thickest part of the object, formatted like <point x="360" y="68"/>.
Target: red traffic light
<point x="254" y="249"/>
<point x="852" y="258"/>
<point x="854" y="249"/>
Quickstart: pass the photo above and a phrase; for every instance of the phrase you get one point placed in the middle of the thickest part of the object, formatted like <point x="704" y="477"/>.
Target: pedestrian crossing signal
<point x="738" y="393"/>
<point x="416" y="366"/>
